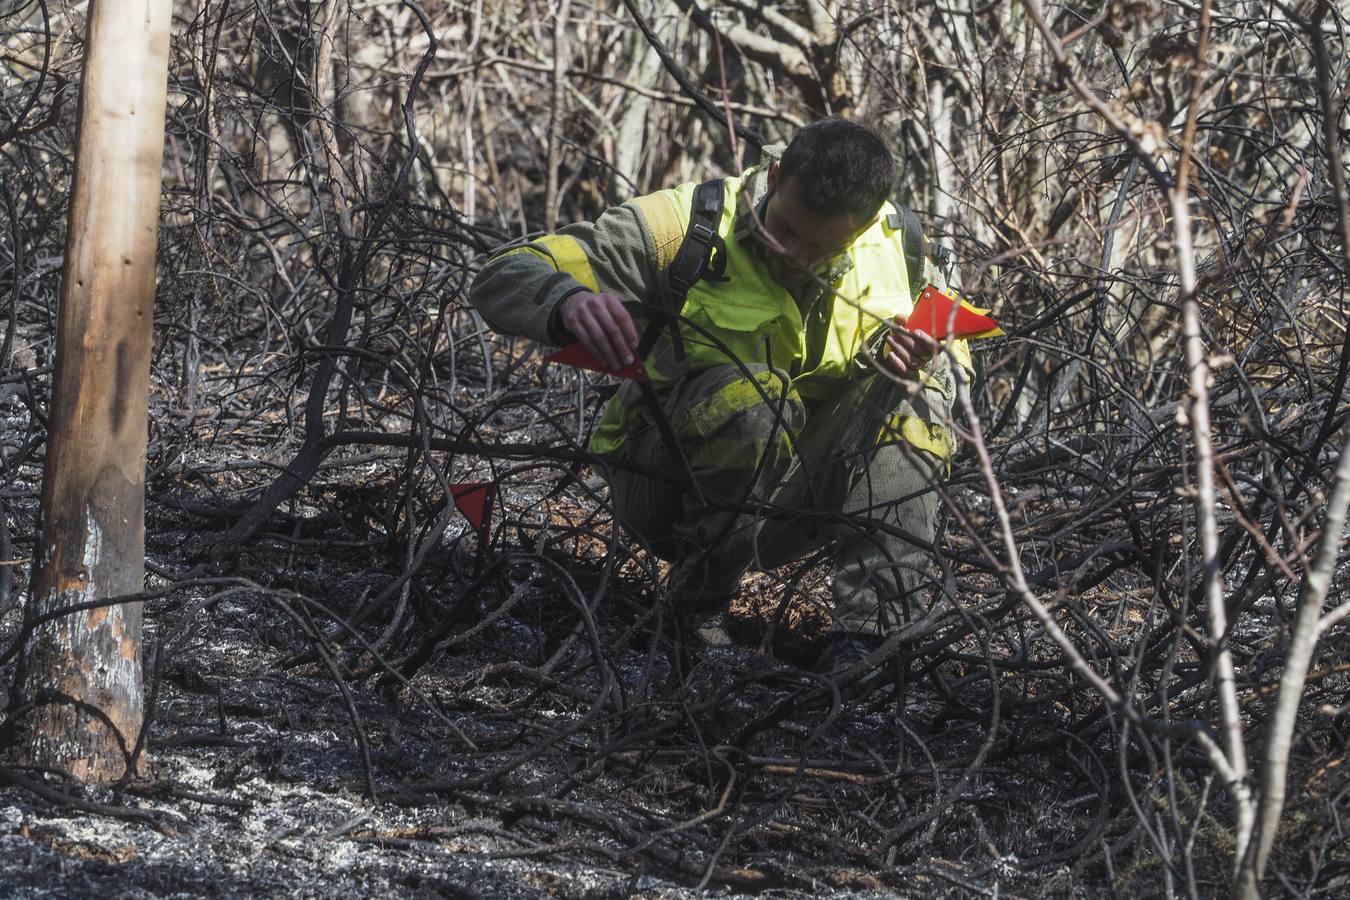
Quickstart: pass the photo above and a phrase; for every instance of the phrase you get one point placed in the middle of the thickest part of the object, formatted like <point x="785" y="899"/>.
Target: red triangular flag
<point x="933" y="313"/>
<point x="578" y="357"/>
<point x="474" y="500"/>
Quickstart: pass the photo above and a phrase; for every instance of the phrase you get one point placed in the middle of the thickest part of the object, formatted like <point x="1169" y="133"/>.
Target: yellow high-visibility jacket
<point x="820" y="337"/>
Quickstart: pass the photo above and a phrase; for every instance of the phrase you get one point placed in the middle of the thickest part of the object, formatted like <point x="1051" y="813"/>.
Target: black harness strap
<point x="689" y="264"/>
<point x="915" y="243"/>
<point x="683" y="273"/>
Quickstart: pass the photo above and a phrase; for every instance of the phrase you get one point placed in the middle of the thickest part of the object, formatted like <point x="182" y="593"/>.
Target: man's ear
<point x="859" y="232"/>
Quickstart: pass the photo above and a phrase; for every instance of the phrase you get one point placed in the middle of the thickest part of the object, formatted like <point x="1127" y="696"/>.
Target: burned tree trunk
<point x="82" y="671"/>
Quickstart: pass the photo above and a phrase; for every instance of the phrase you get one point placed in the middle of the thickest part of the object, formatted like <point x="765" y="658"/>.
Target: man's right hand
<point x="602" y="325"/>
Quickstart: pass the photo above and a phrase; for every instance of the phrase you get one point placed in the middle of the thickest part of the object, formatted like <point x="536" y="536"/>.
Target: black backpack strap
<point x="704" y="219"/>
<point x="684" y="271"/>
<point x="690" y="262"/>
<point x="915" y="243"/>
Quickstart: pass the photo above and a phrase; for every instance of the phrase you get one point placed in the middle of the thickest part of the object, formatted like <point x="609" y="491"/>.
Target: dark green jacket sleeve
<point x="520" y="287"/>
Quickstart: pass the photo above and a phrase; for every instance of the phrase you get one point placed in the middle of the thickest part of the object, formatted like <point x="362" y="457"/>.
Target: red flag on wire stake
<point x="578" y="357"/>
<point x="933" y="315"/>
<point x="474" y="500"/>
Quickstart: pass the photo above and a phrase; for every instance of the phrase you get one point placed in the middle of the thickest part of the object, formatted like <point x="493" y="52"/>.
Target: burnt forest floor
<point x="523" y="717"/>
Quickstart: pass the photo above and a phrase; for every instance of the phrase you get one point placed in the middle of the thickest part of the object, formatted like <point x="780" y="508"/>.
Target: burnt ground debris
<point x="558" y="733"/>
<point x="551" y="732"/>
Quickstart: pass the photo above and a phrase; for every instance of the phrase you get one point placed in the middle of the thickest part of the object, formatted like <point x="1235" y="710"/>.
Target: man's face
<point x="797" y="241"/>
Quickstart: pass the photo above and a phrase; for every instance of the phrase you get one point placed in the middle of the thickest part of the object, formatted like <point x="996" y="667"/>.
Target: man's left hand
<point x="908" y="352"/>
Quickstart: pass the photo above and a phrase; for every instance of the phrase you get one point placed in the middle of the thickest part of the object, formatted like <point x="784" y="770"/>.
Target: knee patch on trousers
<point x="732" y="425"/>
<point x="935" y="438"/>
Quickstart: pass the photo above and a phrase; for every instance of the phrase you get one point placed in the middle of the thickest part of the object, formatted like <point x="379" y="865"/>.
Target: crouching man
<point x="791" y="283"/>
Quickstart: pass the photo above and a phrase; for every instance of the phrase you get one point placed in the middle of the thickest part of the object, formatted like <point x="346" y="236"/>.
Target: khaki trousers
<point x="776" y="490"/>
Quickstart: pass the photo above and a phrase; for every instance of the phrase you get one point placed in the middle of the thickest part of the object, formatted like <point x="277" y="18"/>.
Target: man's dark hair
<point x="839" y="167"/>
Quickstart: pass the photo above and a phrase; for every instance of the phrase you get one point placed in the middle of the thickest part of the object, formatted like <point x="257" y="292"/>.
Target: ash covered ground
<point x="372" y="698"/>
<point x="549" y="739"/>
<point x="257" y="783"/>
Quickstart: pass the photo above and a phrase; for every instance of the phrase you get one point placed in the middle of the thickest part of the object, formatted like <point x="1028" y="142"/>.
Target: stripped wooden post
<point x="92" y="544"/>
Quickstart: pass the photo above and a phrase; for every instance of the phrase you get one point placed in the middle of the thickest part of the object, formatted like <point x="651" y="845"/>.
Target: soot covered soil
<point x="547" y="740"/>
